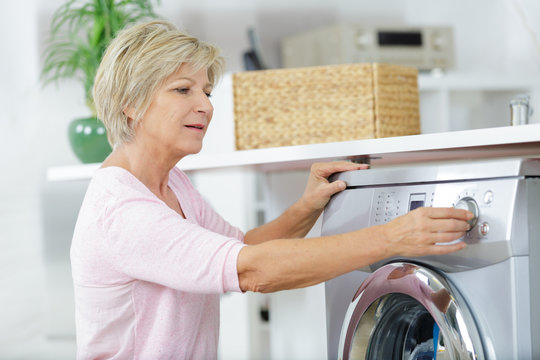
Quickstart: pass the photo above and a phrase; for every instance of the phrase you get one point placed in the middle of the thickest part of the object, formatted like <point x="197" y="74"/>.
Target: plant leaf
<point x="79" y="34"/>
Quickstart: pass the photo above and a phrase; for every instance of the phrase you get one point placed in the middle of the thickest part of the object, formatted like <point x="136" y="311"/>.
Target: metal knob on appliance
<point x="468" y="203"/>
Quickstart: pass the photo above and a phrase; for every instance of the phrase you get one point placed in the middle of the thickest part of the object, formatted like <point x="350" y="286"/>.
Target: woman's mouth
<point x="196" y="126"/>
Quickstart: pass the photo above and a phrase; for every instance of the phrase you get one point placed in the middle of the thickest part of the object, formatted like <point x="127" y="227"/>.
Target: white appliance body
<point x="482" y="302"/>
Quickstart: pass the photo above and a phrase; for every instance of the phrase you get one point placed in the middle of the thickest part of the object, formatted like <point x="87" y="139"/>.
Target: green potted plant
<point x="80" y="32"/>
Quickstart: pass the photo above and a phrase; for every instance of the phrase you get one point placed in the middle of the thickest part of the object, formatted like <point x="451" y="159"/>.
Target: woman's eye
<point x="208" y="94"/>
<point x="183" y="90"/>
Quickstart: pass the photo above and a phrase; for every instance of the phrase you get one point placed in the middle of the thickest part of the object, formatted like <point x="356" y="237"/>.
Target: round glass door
<point x="404" y="311"/>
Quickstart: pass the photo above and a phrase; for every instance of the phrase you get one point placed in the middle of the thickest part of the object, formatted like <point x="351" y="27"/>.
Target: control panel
<point x="501" y="194"/>
<point x="489" y="201"/>
<point x="390" y="203"/>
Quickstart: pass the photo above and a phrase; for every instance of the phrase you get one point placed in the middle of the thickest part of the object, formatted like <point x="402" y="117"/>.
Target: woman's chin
<point x="192" y="150"/>
<point x="197" y="149"/>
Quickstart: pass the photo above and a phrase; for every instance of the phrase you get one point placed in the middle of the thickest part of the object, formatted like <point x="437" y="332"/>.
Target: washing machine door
<point x="405" y="311"/>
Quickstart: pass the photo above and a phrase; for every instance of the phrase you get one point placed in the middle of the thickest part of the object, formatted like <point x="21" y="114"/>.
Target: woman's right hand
<point x="284" y="264"/>
<point x="426" y="230"/>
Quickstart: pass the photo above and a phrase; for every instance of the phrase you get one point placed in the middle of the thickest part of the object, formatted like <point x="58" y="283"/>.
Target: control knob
<point x="468" y="203"/>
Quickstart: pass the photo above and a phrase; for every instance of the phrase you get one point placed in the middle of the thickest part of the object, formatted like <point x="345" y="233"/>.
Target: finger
<point x="447" y="213"/>
<point x="336" y="186"/>
<point x="329" y="168"/>
<point x="445" y="249"/>
<point x="327" y="190"/>
<point x="445" y="237"/>
<point x="449" y="225"/>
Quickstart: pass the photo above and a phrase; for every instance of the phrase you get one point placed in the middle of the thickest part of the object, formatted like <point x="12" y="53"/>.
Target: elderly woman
<point x="150" y="257"/>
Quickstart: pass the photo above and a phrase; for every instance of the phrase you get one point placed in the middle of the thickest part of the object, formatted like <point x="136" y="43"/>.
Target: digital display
<point x="400" y="38"/>
<point x="417" y="200"/>
<point x="416" y="204"/>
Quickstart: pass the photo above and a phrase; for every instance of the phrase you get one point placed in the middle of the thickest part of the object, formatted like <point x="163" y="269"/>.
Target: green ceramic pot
<point x="88" y="140"/>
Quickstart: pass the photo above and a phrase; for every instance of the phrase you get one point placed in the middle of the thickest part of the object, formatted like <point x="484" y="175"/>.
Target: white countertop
<point x="491" y="142"/>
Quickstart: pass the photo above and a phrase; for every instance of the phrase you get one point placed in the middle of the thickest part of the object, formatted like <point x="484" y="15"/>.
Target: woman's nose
<point x="204" y="104"/>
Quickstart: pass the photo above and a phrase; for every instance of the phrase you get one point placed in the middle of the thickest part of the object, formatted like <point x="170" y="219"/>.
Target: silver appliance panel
<point x="426" y="47"/>
<point x="487" y="243"/>
<point x="377" y="196"/>
<point x="455" y="171"/>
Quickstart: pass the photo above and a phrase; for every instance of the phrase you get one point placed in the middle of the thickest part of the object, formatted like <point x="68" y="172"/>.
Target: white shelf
<point x="477" y="82"/>
<point x="492" y="142"/>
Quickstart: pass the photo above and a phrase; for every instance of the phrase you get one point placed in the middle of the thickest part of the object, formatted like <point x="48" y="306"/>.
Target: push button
<point x="488" y="197"/>
<point x="484" y="228"/>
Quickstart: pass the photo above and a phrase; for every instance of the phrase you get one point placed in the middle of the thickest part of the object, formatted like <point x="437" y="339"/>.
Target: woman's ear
<point x="130" y="116"/>
<point x="130" y="113"/>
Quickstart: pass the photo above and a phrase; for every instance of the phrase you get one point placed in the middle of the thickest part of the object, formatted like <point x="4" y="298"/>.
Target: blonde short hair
<point x="135" y="65"/>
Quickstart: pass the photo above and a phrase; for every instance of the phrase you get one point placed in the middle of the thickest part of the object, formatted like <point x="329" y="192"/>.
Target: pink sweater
<point x="147" y="281"/>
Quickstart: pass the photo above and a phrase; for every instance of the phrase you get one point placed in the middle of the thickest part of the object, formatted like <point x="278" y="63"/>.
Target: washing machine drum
<point x="405" y="311"/>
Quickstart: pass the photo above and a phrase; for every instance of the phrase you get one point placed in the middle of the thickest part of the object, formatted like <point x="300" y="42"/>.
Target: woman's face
<point x="179" y="114"/>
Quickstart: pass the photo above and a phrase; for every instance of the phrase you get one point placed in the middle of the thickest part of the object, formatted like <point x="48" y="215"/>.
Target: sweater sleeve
<point x="206" y="215"/>
<point x="147" y="240"/>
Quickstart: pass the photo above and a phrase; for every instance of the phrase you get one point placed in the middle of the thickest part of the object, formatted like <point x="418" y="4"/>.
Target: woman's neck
<point x="147" y="164"/>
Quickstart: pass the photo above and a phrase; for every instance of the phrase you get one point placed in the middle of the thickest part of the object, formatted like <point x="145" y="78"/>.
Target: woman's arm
<point x="283" y="264"/>
<point x="298" y="219"/>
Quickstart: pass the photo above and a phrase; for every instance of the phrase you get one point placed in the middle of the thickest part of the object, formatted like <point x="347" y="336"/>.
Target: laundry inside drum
<point x="396" y="326"/>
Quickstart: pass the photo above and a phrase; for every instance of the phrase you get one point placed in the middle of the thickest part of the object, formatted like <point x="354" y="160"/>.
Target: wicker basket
<point x="324" y="104"/>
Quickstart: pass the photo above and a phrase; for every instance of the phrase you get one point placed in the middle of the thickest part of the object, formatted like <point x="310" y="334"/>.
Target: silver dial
<point x="468" y="203"/>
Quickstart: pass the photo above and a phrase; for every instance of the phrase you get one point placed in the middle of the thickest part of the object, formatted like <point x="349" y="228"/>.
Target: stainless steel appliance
<point x="482" y="302"/>
<point x="425" y="47"/>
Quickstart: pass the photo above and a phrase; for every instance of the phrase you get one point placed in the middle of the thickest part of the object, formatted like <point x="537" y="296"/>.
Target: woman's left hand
<point x="298" y="219"/>
<point x="318" y="189"/>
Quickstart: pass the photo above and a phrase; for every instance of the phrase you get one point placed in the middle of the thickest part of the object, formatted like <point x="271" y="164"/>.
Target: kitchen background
<point x="497" y="56"/>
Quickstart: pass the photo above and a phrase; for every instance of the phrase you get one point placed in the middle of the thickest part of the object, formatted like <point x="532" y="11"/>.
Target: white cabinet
<point x="457" y="101"/>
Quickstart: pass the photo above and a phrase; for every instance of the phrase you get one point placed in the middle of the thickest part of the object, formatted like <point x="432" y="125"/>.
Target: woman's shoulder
<point x="118" y="182"/>
<point x="113" y="175"/>
<point x="179" y="179"/>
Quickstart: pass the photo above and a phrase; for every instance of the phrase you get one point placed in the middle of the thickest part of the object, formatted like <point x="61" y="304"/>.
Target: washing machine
<point x="482" y="302"/>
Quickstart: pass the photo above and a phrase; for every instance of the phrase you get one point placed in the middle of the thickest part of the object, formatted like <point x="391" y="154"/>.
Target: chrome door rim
<point x="431" y="290"/>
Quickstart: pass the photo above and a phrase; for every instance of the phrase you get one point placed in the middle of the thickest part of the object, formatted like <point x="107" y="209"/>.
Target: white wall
<point x="20" y="276"/>
<point x="492" y="36"/>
